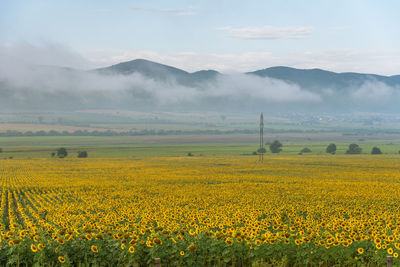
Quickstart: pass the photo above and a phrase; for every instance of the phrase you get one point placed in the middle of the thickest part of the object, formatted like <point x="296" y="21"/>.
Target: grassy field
<point x="199" y="145"/>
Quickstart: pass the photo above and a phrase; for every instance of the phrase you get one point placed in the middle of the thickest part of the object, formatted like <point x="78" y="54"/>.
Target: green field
<point x="198" y="145"/>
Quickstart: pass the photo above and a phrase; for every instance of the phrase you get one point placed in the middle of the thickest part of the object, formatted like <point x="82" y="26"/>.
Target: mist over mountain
<point x="145" y="85"/>
<point x="316" y="79"/>
<point x="160" y="72"/>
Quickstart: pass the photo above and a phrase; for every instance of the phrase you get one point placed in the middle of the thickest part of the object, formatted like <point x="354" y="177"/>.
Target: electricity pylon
<point x="261" y="150"/>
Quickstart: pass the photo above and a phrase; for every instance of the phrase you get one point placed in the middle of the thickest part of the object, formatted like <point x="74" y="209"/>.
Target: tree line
<point x="276" y="147"/>
<point x="11" y="133"/>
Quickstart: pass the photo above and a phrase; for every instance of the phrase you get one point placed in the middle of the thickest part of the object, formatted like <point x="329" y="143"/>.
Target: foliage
<point x="261" y="150"/>
<point x="331" y="148"/>
<point x="211" y="211"/>
<point x="354" y="149"/>
<point x="62" y="152"/>
<point x="1" y="150"/>
<point x="275" y="147"/>
<point x="189" y="154"/>
<point x="82" y="154"/>
<point x="376" y="150"/>
<point x="306" y="150"/>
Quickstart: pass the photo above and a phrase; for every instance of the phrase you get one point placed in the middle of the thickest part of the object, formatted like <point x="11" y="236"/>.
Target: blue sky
<point x="227" y="35"/>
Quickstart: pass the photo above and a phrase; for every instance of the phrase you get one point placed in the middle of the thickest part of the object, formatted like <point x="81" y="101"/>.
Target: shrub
<point x="331" y="149"/>
<point x="275" y="147"/>
<point x="305" y="150"/>
<point x="62" y="152"/>
<point x="354" y="149"/>
<point x="82" y="154"/>
<point x="262" y="150"/>
<point x="376" y="151"/>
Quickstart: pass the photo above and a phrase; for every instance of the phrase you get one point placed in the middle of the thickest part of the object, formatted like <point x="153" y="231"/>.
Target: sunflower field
<point x="201" y="211"/>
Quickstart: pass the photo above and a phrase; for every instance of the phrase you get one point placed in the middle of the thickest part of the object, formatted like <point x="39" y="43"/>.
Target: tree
<point x="275" y="147"/>
<point x="82" y="154"/>
<point x="53" y="154"/>
<point x="1" y="150"/>
<point x="331" y="149"/>
<point x="190" y="154"/>
<point x="305" y="150"/>
<point x="62" y="152"/>
<point x="261" y="150"/>
<point x="354" y="149"/>
<point x="376" y="151"/>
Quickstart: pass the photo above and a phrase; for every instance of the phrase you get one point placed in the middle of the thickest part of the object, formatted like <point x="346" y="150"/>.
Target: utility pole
<point x="261" y="157"/>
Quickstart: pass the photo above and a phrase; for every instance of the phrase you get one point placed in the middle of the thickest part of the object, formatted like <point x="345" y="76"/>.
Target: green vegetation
<point x="354" y="149"/>
<point x="198" y="145"/>
<point x="306" y="150"/>
<point x="82" y="154"/>
<point x="331" y="149"/>
<point x="375" y="151"/>
<point x="275" y="147"/>
<point x="261" y="150"/>
<point x="62" y="152"/>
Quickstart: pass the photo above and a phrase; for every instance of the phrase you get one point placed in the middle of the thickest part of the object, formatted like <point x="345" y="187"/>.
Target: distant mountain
<point x="160" y="72"/>
<point x="173" y="88"/>
<point x="309" y="79"/>
<point x="317" y="79"/>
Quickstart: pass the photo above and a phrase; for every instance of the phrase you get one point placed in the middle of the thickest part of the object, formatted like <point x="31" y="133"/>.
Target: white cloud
<point x="269" y="32"/>
<point x="374" y="91"/>
<point x="46" y="54"/>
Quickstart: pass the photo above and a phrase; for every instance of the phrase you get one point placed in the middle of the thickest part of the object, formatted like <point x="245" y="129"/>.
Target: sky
<point x="225" y="35"/>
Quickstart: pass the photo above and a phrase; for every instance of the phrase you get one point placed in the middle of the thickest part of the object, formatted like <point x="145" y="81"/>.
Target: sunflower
<point x="395" y="254"/>
<point x="182" y="252"/>
<point x="191" y="232"/>
<point x="390" y="251"/>
<point x="94" y="249"/>
<point x="131" y="249"/>
<point x="61" y="259"/>
<point x="360" y="250"/>
<point x="229" y="241"/>
<point x="192" y="247"/>
<point x="34" y="248"/>
<point x="122" y="246"/>
<point x="41" y="246"/>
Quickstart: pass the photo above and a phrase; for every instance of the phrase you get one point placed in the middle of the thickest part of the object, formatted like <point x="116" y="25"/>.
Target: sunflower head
<point x="94" y="249"/>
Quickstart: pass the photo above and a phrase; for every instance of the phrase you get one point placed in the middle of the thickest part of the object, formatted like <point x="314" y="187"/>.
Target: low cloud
<point x="50" y="54"/>
<point x="242" y="86"/>
<point x="375" y="92"/>
<point x="28" y="78"/>
<point x="31" y="84"/>
<point x="268" y="32"/>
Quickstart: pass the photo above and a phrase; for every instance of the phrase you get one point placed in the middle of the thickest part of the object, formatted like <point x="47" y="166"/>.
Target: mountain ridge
<point x="312" y="79"/>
